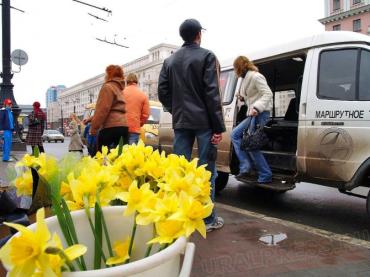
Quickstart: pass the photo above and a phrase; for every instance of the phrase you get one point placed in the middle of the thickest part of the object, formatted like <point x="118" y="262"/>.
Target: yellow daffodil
<point x="23" y="253"/>
<point x="192" y="212"/>
<point x="136" y="198"/>
<point x="102" y="156"/>
<point x="168" y="231"/>
<point x="24" y="184"/>
<point x="120" y="248"/>
<point x="159" y="210"/>
<point x="57" y="261"/>
<point x="27" y="161"/>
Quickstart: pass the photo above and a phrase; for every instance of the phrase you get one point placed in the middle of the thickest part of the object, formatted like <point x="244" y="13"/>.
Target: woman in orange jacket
<point x="137" y="108"/>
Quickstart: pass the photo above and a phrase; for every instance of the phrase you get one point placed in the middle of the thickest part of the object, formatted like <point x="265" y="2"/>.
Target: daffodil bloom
<point x="22" y="253"/>
<point x="80" y="188"/>
<point x="102" y="156"/>
<point x="113" y="154"/>
<point x="164" y="207"/>
<point x="57" y="261"/>
<point x="24" y="183"/>
<point x="192" y="212"/>
<point x="27" y="161"/>
<point x="120" y="248"/>
<point x="136" y="198"/>
<point x="168" y="231"/>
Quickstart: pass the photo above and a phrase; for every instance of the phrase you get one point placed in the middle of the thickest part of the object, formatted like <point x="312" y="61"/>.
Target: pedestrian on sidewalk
<point x="110" y="112"/>
<point x="137" y="108"/>
<point x="256" y="94"/>
<point x="75" y="144"/>
<point x="36" y="127"/>
<point x="7" y="128"/>
<point x="189" y="89"/>
<point x="90" y="140"/>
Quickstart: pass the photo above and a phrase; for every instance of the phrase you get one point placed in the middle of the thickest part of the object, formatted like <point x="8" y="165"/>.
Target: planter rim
<point x="138" y="266"/>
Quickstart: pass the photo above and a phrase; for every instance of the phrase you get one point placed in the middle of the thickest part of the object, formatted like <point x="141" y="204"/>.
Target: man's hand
<point x="216" y="138"/>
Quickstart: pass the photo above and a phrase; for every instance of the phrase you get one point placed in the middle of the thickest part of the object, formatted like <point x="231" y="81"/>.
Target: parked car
<point x="52" y="135"/>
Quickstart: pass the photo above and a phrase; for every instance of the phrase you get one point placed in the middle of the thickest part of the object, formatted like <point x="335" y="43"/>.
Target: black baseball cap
<point x="189" y="29"/>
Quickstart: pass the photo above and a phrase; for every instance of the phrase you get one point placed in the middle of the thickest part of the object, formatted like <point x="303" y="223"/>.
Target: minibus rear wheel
<point x="221" y="180"/>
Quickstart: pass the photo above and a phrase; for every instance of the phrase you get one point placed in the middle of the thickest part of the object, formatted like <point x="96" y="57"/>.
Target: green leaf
<point x="62" y="221"/>
<point x="133" y="233"/>
<point x="36" y="151"/>
<point x="87" y="212"/>
<point x="98" y="238"/>
<point x="120" y="146"/>
<point x="72" y="231"/>
<point x="106" y="233"/>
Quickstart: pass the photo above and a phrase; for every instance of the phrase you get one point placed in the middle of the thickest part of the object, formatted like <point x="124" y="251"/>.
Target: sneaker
<point x="9" y="161"/>
<point x="217" y="224"/>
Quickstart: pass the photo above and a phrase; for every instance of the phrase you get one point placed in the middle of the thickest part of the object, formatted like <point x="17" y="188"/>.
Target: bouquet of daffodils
<point x="168" y="192"/>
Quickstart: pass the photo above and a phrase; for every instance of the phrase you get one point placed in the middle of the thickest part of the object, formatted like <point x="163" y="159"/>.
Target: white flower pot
<point x="163" y="264"/>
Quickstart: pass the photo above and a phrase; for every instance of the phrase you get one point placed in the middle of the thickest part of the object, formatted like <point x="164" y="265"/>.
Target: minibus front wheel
<point x="221" y="180"/>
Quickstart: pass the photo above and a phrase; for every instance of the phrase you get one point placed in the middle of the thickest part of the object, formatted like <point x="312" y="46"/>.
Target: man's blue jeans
<point x="249" y="158"/>
<point x="183" y="145"/>
<point x="133" y="138"/>
<point x="7" y="147"/>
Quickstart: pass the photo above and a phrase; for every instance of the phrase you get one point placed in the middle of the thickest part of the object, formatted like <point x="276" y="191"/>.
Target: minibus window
<point x="364" y="78"/>
<point x="155" y="114"/>
<point x="337" y="74"/>
<point x="228" y="82"/>
<point x="282" y="101"/>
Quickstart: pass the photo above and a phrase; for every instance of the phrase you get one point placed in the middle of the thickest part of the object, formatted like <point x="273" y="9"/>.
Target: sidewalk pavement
<point x="238" y="249"/>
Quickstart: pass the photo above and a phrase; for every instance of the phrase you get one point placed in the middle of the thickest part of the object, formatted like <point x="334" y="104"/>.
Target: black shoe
<point x="243" y="175"/>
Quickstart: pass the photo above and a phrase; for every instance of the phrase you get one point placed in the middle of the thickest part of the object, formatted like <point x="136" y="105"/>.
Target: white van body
<point x="320" y="123"/>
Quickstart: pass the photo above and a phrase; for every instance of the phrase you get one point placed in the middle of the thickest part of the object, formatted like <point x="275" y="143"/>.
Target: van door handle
<point x="303" y="109"/>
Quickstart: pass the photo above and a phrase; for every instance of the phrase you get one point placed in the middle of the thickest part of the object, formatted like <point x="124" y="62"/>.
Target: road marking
<point x="313" y="230"/>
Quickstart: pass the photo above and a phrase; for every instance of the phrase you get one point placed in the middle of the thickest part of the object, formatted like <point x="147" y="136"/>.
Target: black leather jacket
<point x="188" y="88"/>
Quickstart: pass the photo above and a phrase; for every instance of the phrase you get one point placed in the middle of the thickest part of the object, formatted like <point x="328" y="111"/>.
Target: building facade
<point x="52" y="93"/>
<point x="75" y="99"/>
<point x="347" y="15"/>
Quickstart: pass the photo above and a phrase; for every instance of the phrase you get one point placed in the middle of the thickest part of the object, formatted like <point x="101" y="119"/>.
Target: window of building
<point x="356" y="2"/>
<point x="337" y="74"/>
<point x="357" y="25"/>
<point x="336" y="27"/>
<point x="364" y="78"/>
<point x="336" y="5"/>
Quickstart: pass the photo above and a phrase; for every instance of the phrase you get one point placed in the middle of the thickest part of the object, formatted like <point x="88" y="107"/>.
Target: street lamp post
<point x="76" y="100"/>
<point x="61" y="119"/>
<point x="6" y="87"/>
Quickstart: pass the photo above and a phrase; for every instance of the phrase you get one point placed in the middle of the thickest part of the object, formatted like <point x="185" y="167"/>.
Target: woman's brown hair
<point x="131" y="79"/>
<point x="242" y="64"/>
<point x="113" y="71"/>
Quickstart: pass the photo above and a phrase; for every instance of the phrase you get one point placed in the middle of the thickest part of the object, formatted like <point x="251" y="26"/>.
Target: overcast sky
<point x="59" y="35"/>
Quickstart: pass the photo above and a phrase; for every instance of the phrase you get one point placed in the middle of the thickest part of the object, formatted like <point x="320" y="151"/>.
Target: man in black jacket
<point x="188" y="88"/>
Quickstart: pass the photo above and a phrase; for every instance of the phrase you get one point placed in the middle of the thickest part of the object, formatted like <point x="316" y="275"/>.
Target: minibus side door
<point x="337" y="128"/>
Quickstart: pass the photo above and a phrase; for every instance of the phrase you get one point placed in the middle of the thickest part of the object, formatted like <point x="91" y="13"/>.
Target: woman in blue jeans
<point x="257" y="95"/>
